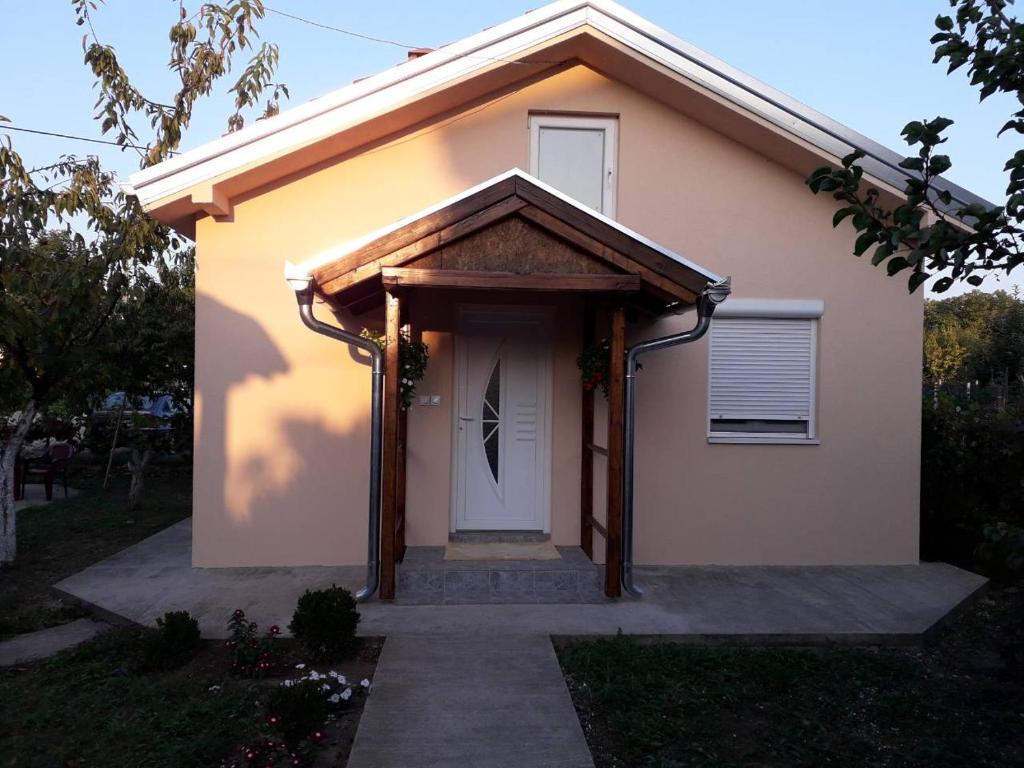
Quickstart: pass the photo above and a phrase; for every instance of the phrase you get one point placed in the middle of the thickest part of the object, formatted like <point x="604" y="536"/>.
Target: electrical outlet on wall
<point x="424" y="399"/>
<point x="435" y="399"/>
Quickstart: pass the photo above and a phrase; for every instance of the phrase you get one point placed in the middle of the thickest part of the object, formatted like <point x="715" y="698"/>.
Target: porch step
<point x="426" y="578"/>
<point x="497" y="537"/>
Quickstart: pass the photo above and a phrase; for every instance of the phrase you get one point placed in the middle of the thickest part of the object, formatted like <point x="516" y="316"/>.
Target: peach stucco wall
<point x="282" y="417"/>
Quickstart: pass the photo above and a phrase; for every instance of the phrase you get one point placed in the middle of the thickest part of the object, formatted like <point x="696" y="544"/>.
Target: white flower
<point x="300" y="666"/>
<point x="365" y="683"/>
<point x="342" y="680"/>
<point x="213" y="688"/>
<point x="314" y="675"/>
<point x="334" y="698"/>
<point x="288" y="683"/>
<point x="346" y="694"/>
<point x="325" y="687"/>
<point x="332" y="673"/>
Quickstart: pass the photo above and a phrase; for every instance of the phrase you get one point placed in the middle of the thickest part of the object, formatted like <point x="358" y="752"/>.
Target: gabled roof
<point x="592" y="252"/>
<point x="564" y="32"/>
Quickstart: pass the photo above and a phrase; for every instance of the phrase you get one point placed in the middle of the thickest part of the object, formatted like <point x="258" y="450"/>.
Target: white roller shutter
<point x="762" y="369"/>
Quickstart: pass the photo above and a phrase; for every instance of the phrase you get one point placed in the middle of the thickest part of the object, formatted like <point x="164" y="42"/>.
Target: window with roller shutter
<point x="762" y="378"/>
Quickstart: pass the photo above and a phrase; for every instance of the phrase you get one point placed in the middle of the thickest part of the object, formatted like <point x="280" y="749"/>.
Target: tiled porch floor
<point x="856" y="603"/>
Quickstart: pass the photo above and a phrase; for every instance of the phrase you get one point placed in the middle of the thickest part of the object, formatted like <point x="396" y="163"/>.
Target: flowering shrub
<point x="296" y="714"/>
<point x="300" y="707"/>
<point x="325" y="623"/>
<point x="412" y="362"/>
<point x="251" y="654"/>
<point x="173" y="643"/>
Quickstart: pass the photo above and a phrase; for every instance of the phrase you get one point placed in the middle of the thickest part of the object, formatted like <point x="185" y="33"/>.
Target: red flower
<point x="275" y="630"/>
<point x="239" y="613"/>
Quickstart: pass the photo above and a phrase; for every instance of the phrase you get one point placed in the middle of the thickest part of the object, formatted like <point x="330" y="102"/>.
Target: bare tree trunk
<point x="137" y="465"/>
<point x="9" y="449"/>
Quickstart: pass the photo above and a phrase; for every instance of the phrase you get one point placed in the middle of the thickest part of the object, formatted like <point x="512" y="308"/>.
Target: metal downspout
<point x="713" y="295"/>
<point x="304" y="295"/>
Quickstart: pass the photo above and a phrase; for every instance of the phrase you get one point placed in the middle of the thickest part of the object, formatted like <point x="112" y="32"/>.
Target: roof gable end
<point x="504" y="53"/>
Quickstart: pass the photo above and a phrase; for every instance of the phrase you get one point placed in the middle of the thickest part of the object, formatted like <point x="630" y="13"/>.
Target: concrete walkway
<point x="486" y="701"/>
<point x="46" y="642"/>
<point x="854" y="604"/>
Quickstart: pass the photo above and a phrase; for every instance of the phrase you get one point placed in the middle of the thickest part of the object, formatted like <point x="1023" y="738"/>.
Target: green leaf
<point x="916" y="280"/>
<point x="944" y="23"/>
<point x="975" y="280"/>
<point x="882" y="252"/>
<point x="841" y="214"/>
<point x="896" y="264"/>
<point x="942" y="284"/>
<point x="864" y="242"/>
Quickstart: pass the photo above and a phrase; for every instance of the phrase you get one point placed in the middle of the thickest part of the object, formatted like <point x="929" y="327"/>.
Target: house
<point x="572" y="175"/>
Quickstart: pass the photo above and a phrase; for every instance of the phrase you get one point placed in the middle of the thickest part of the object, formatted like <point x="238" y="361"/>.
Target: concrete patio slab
<point x="144" y="581"/>
<point x="487" y="701"/>
<point x="792" y="604"/>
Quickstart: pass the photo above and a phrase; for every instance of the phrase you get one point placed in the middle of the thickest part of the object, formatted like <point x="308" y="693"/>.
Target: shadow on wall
<point x="275" y="483"/>
<point x="243" y="350"/>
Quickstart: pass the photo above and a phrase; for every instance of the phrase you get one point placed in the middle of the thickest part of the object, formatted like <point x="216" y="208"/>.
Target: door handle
<point x="466" y="418"/>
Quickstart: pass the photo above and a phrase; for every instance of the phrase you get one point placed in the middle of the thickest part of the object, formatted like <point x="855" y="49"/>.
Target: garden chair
<point x="53" y="463"/>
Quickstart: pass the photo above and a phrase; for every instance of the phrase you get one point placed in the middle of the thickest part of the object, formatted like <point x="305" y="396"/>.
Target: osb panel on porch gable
<point x="510" y="228"/>
<point x="513" y="245"/>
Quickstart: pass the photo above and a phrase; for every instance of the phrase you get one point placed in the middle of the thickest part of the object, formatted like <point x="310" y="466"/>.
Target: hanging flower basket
<point x="593" y="364"/>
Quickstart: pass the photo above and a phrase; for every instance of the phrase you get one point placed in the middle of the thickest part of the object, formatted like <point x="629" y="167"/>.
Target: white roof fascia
<point x="313" y="263"/>
<point x="356" y="103"/>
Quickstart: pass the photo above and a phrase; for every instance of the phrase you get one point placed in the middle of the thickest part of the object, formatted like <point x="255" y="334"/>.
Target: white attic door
<point x="576" y="155"/>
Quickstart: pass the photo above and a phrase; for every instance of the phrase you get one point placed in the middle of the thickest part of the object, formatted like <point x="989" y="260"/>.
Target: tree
<point x="976" y="339"/>
<point x="151" y="351"/>
<point x="54" y="304"/>
<point x="930" y="234"/>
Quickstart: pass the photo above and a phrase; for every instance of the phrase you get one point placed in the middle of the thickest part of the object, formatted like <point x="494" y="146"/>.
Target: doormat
<point x="518" y="550"/>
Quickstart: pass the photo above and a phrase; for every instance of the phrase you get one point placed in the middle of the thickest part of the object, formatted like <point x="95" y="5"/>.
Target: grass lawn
<point x="92" y="706"/>
<point x="957" y="702"/>
<point x="62" y="538"/>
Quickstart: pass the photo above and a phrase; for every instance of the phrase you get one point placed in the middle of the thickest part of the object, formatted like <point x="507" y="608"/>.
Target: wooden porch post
<point x="587" y="440"/>
<point x="389" y="474"/>
<point x="403" y="440"/>
<point x="616" y="438"/>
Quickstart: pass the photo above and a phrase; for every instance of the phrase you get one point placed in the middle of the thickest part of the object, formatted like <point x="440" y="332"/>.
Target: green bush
<point x="972" y="465"/>
<point x="173" y="643"/>
<point x="325" y="622"/>
<point x="298" y="711"/>
<point x="1001" y="552"/>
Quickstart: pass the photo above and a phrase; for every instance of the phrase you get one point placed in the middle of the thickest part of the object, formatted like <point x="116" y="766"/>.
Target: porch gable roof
<point x="564" y="246"/>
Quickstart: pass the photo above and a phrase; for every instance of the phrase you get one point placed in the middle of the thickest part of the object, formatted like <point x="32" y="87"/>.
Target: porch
<point x="855" y="604"/>
<point x="511" y="280"/>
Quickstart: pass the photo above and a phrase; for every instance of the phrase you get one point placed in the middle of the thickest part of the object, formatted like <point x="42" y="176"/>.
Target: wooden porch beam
<point x="508" y="281"/>
<point x="389" y="469"/>
<point x="616" y="444"/>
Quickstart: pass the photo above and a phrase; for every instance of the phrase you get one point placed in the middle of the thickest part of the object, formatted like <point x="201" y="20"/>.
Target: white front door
<point x="502" y="475"/>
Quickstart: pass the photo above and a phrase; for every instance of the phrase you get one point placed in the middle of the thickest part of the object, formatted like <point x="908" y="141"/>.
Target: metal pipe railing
<point x="304" y="296"/>
<point x="713" y="295"/>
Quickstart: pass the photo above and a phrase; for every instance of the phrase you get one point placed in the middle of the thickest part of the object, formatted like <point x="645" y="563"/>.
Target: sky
<point x="866" y="63"/>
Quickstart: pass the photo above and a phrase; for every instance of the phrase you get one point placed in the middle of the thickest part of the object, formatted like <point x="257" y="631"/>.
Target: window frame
<point x="810" y="310"/>
<point x="608" y="124"/>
